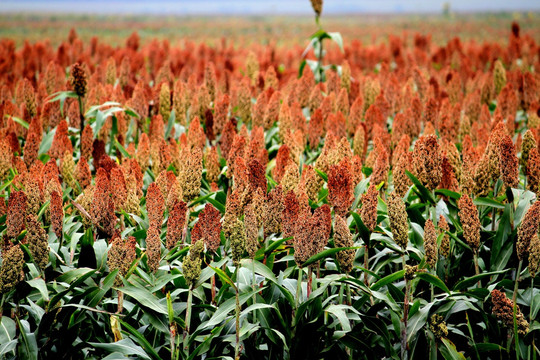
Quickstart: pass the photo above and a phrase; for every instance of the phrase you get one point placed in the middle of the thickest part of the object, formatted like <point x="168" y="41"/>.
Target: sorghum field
<point x="331" y="197"/>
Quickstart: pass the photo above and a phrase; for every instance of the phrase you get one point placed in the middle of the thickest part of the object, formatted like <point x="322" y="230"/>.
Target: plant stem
<point x="188" y="320"/>
<point x="81" y="113"/>
<point x="213" y="288"/>
<point x="348" y="289"/>
<point x="514" y="297"/>
<point x="298" y="287"/>
<point x="366" y="264"/>
<point x="476" y="267"/>
<point x="404" y="354"/>
<point x="237" y="346"/>
<point x="309" y="280"/>
<point x="120" y="302"/>
<point x="254" y="293"/>
<point x="530" y="314"/>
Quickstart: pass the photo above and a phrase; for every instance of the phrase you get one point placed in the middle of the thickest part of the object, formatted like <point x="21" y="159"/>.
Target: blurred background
<point x="245" y="21"/>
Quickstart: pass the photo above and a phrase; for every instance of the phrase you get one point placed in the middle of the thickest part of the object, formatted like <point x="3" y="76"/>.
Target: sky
<point x="259" y="7"/>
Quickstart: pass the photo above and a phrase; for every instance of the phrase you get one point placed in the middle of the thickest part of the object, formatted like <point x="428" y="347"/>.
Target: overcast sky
<point x="259" y="7"/>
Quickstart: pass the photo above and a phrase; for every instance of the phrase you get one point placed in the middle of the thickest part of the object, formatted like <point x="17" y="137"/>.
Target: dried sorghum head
<point x="309" y="181"/>
<point x="321" y="227"/>
<point x="57" y="213"/>
<point x="499" y="76"/>
<point x="17" y="205"/>
<point x="83" y="173"/>
<point x="176" y="223"/>
<point x="444" y="249"/>
<point x="233" y="210"/>
<point x="101" y="196"/>
<point x="11" y="271"/>
<point x="272" y="211"/>
<point x="430" y="243"/>
<point x="291" y="209"/>
<point x="340" y="188"/>
<point x="368" y="212"/>
<point x="503" y="308"/>
<point x="427" y="161"/>
<point x="37" y="241"/>
<point x="155" y="205"/>
<point x="87" y="142"/>
<point x="252" y="230"/>
<point x="191" y="175"/>
<point x="508" y="162"/>
<point x="78" y="80"/>
<point x="533" y="170"/>
<point x="209" y="219"/>
<point x="343" y="238"/>
<point x="410" y="271"/>
<point x="397" y="215"/>
<point x="153" y="247"/>
<point x="534" y="255"/>
<point x="468" y="215"/>
<point x="527" y="230"/>
<point x="120" y="256"/>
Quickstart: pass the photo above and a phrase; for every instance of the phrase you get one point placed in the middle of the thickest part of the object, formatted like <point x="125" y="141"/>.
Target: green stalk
<point x="514" y="296"/>
<point x="237" y="345"/>
<point x="188" y="320"/>
<point x="530" y="316"/>
<point x="298" y="287"/>
<point x="404" y="354"/>
<point x="254" y="288"/>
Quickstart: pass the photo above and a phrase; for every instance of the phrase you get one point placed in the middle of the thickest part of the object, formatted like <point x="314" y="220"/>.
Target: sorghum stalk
<point x="514" y="296"/>
<point x="405" y="314"/>
<point x="188" y="320"/>
<point x="237" y="345"/>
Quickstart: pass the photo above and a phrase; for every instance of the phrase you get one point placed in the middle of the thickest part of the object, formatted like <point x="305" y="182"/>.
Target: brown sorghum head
<point x="309" y="181"/>
<point x="33" y="195"/>
<point x="533" y="170"/>
<point x="37" y="241"/>
<point x="503" y="308"/>
<point x="83" y="173"/>
<point x="252" y="230"/>
<point x="176" y="223"/>
<point x="17" y="205"/>
<point x="499" y="76"/>
<point x="78" y="80"/>
<point x="118" y="188"/>
<point x="321" y="227"/>
<point x="211" y="162"/>
<point x="468" y="215"/>
<point x="430" y="243"/>
<point x="101" y="196"/>
<point x="382" y="164"/>
<point x="303" y="245"/>
<point x="11" y="271"/>
<point x="209" y="219"/>
<point x="427" y="161"/>
<point x="534" y="255"/>
<point x="397" y="215"/>
<point x="343" y="238"/>
<point x="191" y="175"/>
<point x="508" y="162"/>
<point x="120" y="256"/>
<point x="410" y="271"/>
<point x="155" y="205"/>
<point x="368" y="212"/>
<point x="444" y="249"/>
<point x="340" y="188"/>
<point x="291" y="210"/>
<point x="57" y="213"/>
<point x="272" y="211"/>
<point x="257" y="175"/>
<point x="153" y="247"/>
<point x="527" y="230"/>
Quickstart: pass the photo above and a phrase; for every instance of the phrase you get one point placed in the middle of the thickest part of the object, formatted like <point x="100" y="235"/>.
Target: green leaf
<point x="217" y="204"/>
<point x="19" y="121"/>
<point x="336" y="37"/>
<point x="387" y="280"/>
<point x="490" y="202"/>
<point x="225" y="308"/>
<point x="7" y="335"/>
<point x="449" y="351"/>
<point x="120" y="148"/>
<point x="140" y="339"/>
<point x="420" y="189"/>
<point x="223" y="276"/>
<point x="339" y="312"/>
<point x="124" y="346"/>
<point x="170" y="123"/>
<point x="326" y="253"/>
<point x="322" y="174"/>
<point x="46" y="142"/>
<point x="466" y="283"/>
<point x="40" y="285"/>
<point x="144" y="297"/>
<point x="28" y="346"/>
<point x="432" y="279"/>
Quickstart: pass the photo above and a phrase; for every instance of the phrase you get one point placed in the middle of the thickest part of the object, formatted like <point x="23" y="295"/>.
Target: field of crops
<point x="203" y="200"/>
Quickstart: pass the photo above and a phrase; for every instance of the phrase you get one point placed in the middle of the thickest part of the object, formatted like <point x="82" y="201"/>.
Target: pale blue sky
<point x="259" y="7"/>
